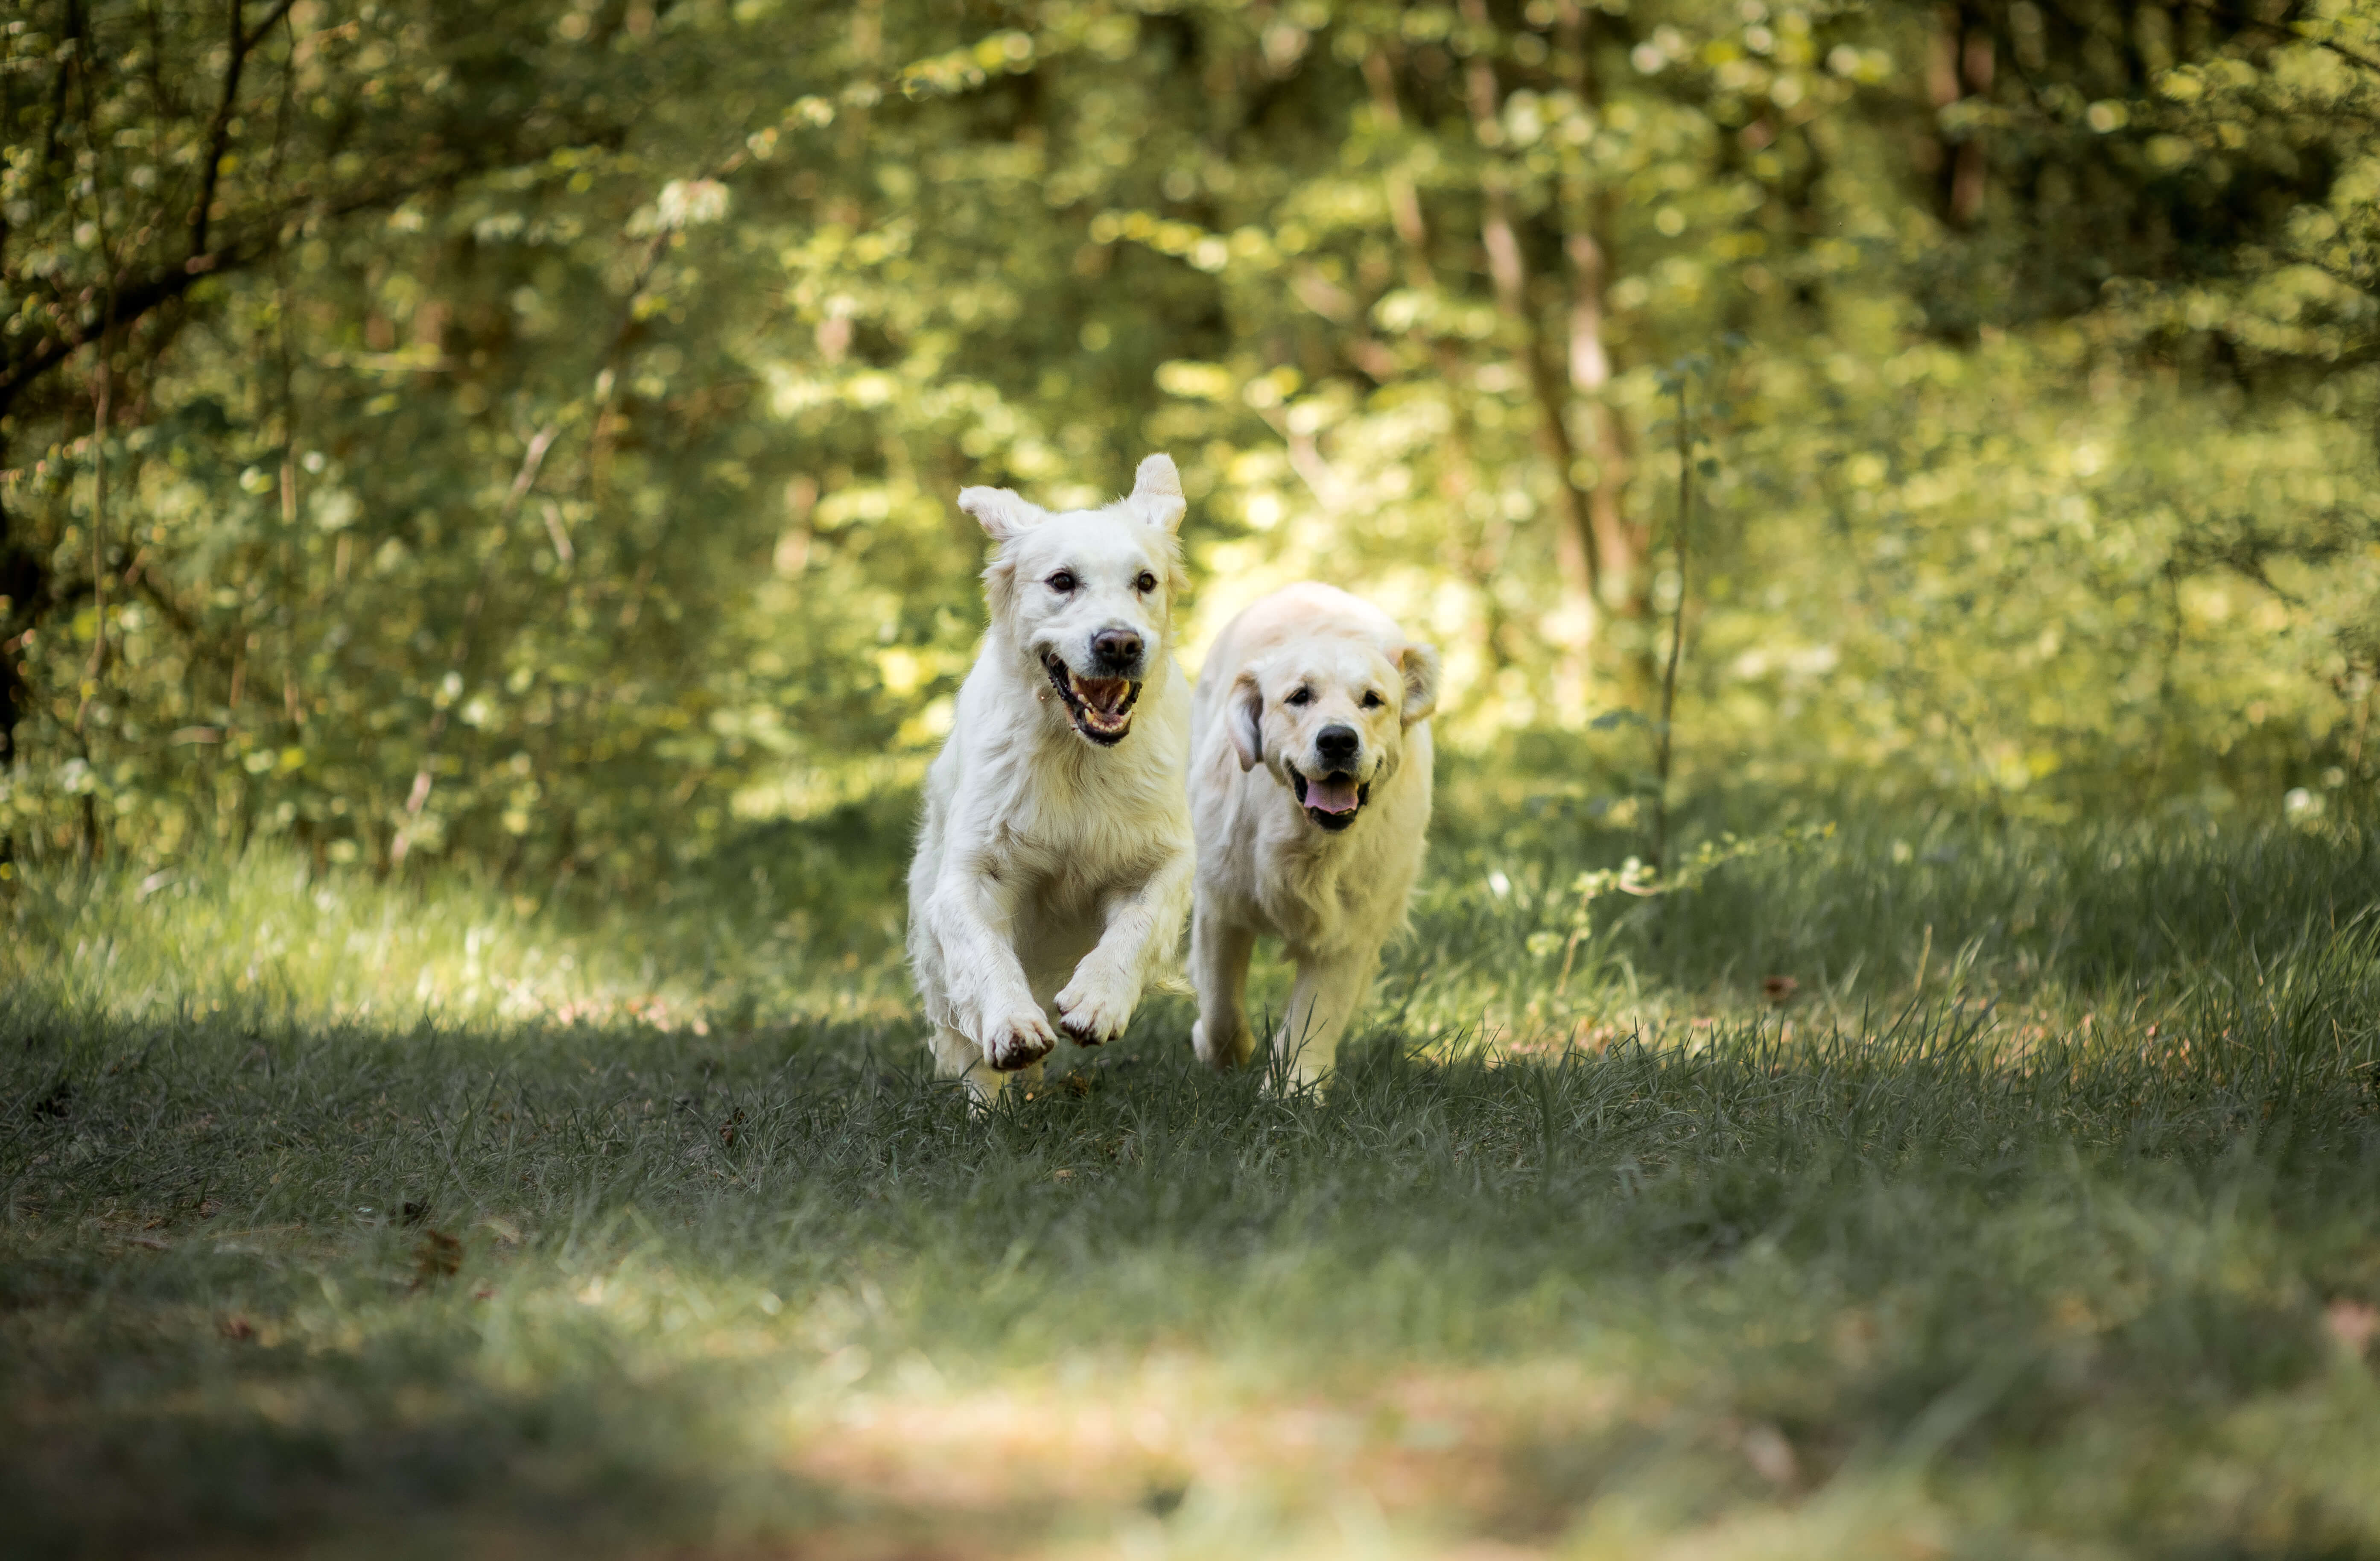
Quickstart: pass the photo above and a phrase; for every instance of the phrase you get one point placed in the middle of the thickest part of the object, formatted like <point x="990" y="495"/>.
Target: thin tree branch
<point x="219" y="128"/>
<point x="1677" y="629"/>
<point x="264" y="23"/>
<point x="129" y="303"/>
<point x="2280" y="29"/>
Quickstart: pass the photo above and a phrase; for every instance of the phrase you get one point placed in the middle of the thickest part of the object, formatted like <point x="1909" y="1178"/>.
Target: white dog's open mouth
<point x="1332" y="801"/>
<point x="1099" y="707"/>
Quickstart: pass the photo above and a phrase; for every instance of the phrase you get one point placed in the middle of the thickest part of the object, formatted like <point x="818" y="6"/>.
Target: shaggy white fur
<point x="1310" y="789"/>
<point x="1054" y="862"/>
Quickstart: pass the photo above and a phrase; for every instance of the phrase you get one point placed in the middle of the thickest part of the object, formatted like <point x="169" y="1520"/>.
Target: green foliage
<point x="528" y="435"/>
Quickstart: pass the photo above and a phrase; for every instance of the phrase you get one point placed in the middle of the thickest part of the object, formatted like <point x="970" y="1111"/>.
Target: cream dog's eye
<point x="1061" y="583"/>
<point x="1372" y="700"/>
<point x="1303" y="696"/>
<point x="1146" y="581"/>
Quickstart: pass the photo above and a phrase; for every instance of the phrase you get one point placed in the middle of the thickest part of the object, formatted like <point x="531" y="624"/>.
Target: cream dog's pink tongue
<point x="1331" y="794"/>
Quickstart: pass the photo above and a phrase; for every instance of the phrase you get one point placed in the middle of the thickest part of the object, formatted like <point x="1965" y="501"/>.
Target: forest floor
<point x="1895" y="1197"/>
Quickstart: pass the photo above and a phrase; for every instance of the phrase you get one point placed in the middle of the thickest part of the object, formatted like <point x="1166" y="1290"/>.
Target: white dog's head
<point x="1327" y="714"/>
<point x="1086" y="596"/>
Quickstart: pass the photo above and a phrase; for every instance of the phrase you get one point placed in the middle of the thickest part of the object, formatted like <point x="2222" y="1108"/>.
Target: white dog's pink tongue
<point x="1102" y="694"/>
<point x="1331" y="794"/>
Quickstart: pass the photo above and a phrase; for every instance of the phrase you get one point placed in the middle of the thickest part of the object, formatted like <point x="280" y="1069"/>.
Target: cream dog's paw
<point x="1019" y="1041"/>
<point x="1223" y="1053"/>
<point x="1096" y="1006"/>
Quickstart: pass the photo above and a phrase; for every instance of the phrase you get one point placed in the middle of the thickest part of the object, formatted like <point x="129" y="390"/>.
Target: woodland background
<point x="479" y="584"/>
<point x="527" y="434"/>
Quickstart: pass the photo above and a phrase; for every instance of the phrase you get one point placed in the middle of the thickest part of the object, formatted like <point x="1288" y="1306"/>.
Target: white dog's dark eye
<point x="1061" y="583"/>
<point x="1146" y="581"/>
<point x="1303" y="696"/>
<point x="1372" y="700"/>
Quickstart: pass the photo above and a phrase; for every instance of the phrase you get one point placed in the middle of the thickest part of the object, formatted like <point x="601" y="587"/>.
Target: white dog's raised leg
<point x="1141" y="925"/>
<point x="1218" y="970"/>
<point x="988" y="996"/>
<point x="1327" y="994"/>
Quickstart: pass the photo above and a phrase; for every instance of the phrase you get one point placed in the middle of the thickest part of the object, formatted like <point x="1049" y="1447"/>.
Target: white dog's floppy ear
<point x="1243" y="719"/>
<point x="1421" y="667"/>
<point x="1157" y="493"/>
<point x="999" y="511"/>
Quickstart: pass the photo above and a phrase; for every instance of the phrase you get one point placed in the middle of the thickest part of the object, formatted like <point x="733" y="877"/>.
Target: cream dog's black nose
<point x="1117" y="650"/>
<point x="1337" y="746"/>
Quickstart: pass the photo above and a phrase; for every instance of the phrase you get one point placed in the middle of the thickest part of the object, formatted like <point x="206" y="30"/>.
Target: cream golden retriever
<point x="1309" y="787"/>
<point x="1053" y="863"/>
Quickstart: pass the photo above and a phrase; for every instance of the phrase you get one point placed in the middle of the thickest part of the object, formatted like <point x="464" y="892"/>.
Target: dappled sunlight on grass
<point x="1153" y="1431"/>
<point x="266" y="934"/>
<point x="2076" y="1255"/>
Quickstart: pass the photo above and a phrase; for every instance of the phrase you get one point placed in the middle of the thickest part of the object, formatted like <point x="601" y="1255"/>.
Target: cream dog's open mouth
<point x="1099" y="707"/>
<point x="1332" y="800"/>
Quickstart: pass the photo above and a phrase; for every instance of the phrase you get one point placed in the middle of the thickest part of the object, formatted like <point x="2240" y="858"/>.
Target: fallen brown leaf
<point x="439" y="1256"/>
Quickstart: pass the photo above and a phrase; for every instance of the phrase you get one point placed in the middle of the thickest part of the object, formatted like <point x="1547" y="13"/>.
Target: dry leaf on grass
<point x="438" y="1257"/>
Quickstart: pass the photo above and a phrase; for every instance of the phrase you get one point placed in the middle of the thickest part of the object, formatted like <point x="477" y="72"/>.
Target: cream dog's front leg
<point x="991" y="1001"/>
<point x="1142" y="925"/>
<point x="1327" y="994"/>
<point x="1220" y="948"/>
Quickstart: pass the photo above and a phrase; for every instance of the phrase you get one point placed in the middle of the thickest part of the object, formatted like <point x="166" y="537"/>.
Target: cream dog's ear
<point x="1157" y="493"/>
<point x="1001" y="512"/>
<point x="1421" y="668"/>
<point x="1243" y="719"/>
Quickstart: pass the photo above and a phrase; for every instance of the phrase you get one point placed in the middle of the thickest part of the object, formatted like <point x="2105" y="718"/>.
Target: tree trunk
<point x="1484" y="558"/>
<point x="1961" y="65"/>
<point x="1574" y="551"/>
<point x="23" y="582"/>
<point x="1621" y="575"/>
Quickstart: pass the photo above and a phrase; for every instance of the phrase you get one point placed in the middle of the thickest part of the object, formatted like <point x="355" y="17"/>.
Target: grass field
<point x="1899" y="1195"/>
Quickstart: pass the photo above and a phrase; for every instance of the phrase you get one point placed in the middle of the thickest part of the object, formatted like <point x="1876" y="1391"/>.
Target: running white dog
<point x="1056" y="841"/>
<point x="1309" y="782"/>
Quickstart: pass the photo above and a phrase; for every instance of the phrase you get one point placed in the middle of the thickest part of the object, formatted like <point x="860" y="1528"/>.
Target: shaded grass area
<point x="1908" y="1277"/>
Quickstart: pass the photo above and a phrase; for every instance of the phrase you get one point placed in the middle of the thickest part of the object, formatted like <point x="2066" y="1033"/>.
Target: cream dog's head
<point x="1086" y="596"/>
<point x="1327" y="715"/>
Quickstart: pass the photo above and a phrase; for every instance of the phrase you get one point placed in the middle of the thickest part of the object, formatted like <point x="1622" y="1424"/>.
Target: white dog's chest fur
<point x="1063" y="855"/>
<point x="1061" y="819"/>
<point x="1054" y="812"/>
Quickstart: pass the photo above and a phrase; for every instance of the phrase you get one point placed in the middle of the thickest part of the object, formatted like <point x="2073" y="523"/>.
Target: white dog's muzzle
<point x="1100" y="708"/>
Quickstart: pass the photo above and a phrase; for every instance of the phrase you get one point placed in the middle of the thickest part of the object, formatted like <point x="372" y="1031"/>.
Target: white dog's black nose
<point x="1337" y="746"/>
<point x="1117" y="650"/>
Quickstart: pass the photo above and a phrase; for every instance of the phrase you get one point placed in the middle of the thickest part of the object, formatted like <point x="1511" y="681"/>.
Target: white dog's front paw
<point x="1019" y="1041"/>
<point x="1096" y="1007"/>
